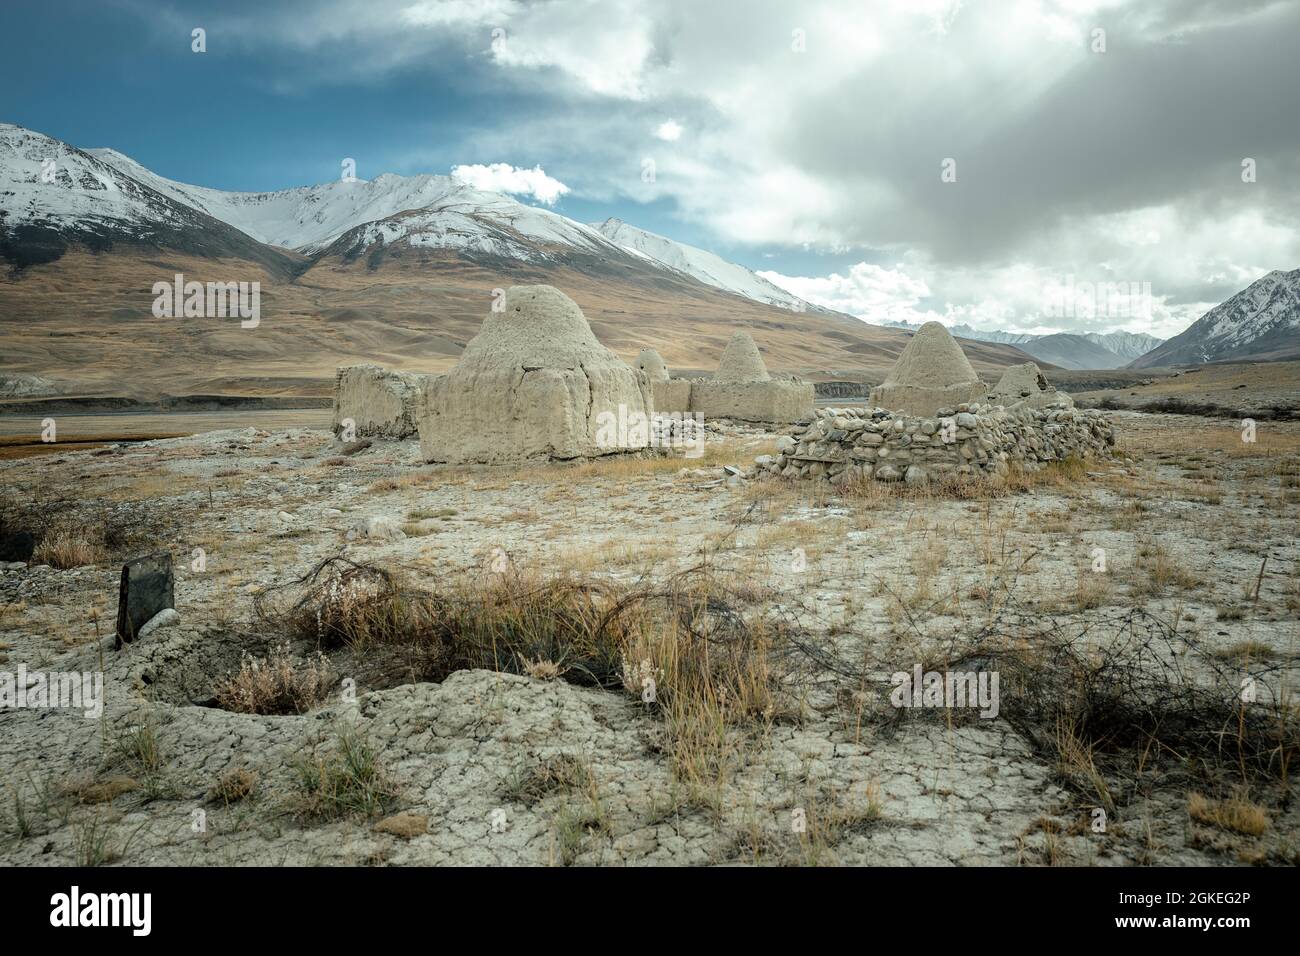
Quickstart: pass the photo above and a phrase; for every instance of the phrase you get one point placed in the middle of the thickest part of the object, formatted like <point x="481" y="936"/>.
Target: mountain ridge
<point x="426" y="210"/>
<point x="1072" y="350"/>
<point x="407" y="290"/>
<point x="1261" y="322"/>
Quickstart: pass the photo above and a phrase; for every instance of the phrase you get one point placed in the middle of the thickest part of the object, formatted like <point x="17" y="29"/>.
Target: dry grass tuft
<point x="686" y="646"/>
<point x="69" y="546"/>
<point x="235" y="785"/>
<point x="563" y="772"/>
<point x="406" y="825"/>
<point x="102" y="791"/>
<point x="277" y="684"/>
<point x="1236" y="813"/>
<point x="348" y="781"/>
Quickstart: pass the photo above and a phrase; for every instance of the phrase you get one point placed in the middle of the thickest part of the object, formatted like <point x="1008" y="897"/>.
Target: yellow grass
<point x="1236" y="813"/>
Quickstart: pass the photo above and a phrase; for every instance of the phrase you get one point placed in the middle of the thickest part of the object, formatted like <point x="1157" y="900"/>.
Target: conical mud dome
<point x="741" y="361"/>
<point x="932" y="373"/>
<point x="933" y="359"/>
<point x="652" y="363"/>
<point x="540" y="327"/>
<point x="534" y="383"/>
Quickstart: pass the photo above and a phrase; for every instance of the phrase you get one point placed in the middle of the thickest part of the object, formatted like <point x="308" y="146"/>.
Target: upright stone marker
<point x="147" y="588"/>
<point x="17" y="546"/>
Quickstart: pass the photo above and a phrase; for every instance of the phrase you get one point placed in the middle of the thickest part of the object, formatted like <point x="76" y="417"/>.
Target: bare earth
<point x="1259" y="389"/>
<point x="84" y="323"/>
<point x="1199" y="531"/>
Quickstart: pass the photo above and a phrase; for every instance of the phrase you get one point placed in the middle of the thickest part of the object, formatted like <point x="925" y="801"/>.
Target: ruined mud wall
<point x="382" y="403"/>
<point x="672" y="395"/>
<point x="773" y="401"/>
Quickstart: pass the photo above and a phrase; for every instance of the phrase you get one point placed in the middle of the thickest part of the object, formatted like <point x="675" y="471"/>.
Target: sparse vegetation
<point x="235" y="785"/>
<point x="727" y="664"/>
<point x="1236" y="813"/>
<point x="277" y="684"/>
<point x="348" y="780"/>
<point x="68" y="546"/>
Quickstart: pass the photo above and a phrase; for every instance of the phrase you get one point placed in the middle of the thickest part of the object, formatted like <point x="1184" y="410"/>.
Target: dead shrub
<point x="686" y="646"/>
<point x="276" y="684"/>
<point x="1117" y="689"/>
<point x="235" y="785"/>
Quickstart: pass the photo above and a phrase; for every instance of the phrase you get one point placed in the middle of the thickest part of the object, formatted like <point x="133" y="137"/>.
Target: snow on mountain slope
<point x="1067" y="349"/>
<point x="53" y="194"/>
<point x="702" y="265"/>
<point x="310" y="218"/>
<point x="1260" y="322"/>
<point x="102" y="191"/>
<point x="1127" y="345"/>
<point x="47" y="182"/>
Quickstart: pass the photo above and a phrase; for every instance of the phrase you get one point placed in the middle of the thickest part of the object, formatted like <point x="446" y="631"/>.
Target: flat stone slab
<point x="147" y="588"/>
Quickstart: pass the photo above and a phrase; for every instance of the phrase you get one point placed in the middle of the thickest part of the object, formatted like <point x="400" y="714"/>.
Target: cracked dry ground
<point x="497" y="768"/>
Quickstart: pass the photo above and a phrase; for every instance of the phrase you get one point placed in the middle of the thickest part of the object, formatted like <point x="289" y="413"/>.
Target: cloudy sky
<point x="911" y="160"/>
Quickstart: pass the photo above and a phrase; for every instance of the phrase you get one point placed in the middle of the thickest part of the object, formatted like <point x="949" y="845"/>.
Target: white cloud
<point x="605" y="47"/>
<point x="868" y="291"/>
<point x="834" y="142"/>
<point x="669" y="131"/>
<point x="504" y="178"/>
<point x="441" y="13"/>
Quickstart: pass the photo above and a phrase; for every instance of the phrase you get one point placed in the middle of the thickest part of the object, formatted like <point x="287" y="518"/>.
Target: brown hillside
<point x="85" y="321"/>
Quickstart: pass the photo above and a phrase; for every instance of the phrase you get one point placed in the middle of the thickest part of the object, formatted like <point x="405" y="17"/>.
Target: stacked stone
<point x="970" y="440"/>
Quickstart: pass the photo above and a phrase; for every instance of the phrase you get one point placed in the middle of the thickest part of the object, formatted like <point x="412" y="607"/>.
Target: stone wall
<point x="974" y="440"/>
<point x="382" y="403"/>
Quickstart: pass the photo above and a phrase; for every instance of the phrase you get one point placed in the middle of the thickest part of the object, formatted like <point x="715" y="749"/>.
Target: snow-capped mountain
<point x="1127" y="345"/>
<point x="1075" y="350"/>
<point x="700" y="264"/>
<point x="967" y="332"/>
<point x="1261" y="322"/>
<point x="52" y="194"/>
<point x="426" y="210"/>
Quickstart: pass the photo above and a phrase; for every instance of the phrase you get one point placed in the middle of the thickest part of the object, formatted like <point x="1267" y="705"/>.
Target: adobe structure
<point x="533" y="384"/>
<point x="742" y="389"/>
<point x="370" y="401"/>
<point x="931" y="373"/>
<point x="670" y="394"/>
<point x="1025" y="383"/>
